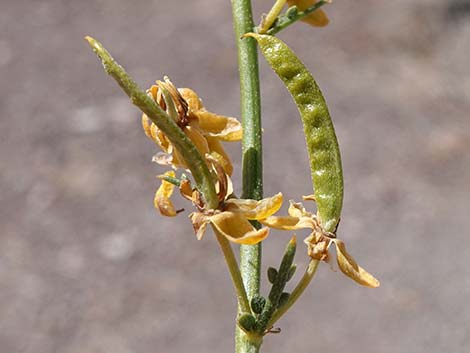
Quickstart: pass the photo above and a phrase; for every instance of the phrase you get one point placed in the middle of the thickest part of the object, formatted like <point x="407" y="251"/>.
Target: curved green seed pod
<point x="322" y="145"/>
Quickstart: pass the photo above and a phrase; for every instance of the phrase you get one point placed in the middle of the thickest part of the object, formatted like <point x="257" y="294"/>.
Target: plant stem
<point x="250" y="255"/>
<point x="272" y="15"/>
<point x="297" y="292"/>
<point x="278" y="286"/>
<point x="182" y="143"/>
<point x="234" y="271"/>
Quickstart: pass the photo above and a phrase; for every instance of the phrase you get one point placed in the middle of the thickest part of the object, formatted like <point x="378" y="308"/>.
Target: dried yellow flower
<point x="233" y="221"/>
<point x="319" y="241"/>
<point x="351" y="269"/>
<point x="203" y="128"/>
<point x="162" y="200"/>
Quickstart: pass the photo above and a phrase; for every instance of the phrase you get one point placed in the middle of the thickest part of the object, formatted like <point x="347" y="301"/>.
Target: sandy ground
<point x="87" y="265"/>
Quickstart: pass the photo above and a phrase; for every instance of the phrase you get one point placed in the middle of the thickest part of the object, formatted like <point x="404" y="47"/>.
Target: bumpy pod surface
<point x="322" y="145"/>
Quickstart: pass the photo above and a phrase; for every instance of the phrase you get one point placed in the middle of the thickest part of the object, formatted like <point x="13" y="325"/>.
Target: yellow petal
<point x="146" y="123"/>
<point x="351" y="269"/>
<point x="237" y="229"/>
<point x="222" y="157"/>
<point x="223" y="127"/>
<point x="289" y="222"/>
<point x="155" y="134"/>
<point x="162" y="197"/>
<point x="281" y="222"/>
<point x="162" y="140"/>
<point x="255" y="210"/>
<point x="296" y="209"/>
<point x="197" y="138"/>
<point x="317" y="18"/>
<point x="191" y="97"/>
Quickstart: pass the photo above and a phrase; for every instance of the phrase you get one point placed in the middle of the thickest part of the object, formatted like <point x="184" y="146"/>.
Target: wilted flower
<point x="162" y="200"/>
<point x="319" y="241"/>
<point x="205" y="129"/>
<point x="231" y="218"/>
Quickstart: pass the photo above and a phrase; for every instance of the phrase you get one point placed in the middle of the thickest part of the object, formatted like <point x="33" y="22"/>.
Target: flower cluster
<point x="206" y="130"/>
<point x="232" y="217"/>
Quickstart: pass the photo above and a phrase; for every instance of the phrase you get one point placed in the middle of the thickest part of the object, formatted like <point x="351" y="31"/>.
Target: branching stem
<point x="297" y="292"/>
<point x="252" y="167"/>
<point x="272" y="15"/>
<point x="234" y="271"/>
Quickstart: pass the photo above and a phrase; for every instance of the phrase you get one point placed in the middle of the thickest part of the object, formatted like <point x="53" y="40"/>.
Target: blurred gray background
<point x="87" y="264"/>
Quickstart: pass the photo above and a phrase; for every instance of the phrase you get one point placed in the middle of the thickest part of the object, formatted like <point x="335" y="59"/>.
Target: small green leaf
<point x="247" y="322"/>
<point x="257" y="304"/>
<point x="283" y="299"/>
<point x="272" y="274"/>
<point x="292" y="12"/>
<point x="291" y="272"/>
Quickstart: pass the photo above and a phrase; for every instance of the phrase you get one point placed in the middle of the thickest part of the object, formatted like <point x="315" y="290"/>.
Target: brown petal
<point x="191" y="97"/>
<point x="222" y="178"/>
<point x="351" y="269"/>
<point x="215" y="146"/>
<point x="318" y="246"/>
<point x="186" y="190"/>
<point x="199" y="222"/>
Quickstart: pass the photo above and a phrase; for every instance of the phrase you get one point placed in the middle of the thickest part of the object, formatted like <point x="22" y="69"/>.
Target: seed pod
<point x="322" y="145"/>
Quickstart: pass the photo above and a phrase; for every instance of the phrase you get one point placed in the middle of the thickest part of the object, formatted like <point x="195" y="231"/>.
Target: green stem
<point x="234" y="272"/>
<point x="287" y="20"/>
<point x="180" y="141"/>
<point x="271" y="16"/>
<point x="278" y="286"/>
<point x="297" y="292"/>
<point x="250" y="255"/>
